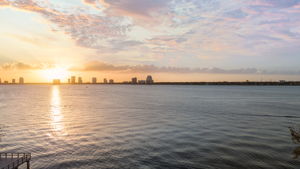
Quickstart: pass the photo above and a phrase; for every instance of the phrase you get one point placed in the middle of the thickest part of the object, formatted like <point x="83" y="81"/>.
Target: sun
<point x="55" y="73"/>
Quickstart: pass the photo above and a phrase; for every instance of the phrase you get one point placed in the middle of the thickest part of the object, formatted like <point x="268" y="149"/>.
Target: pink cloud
<point x="4" y="3"/>
<point x="136" y="7"/>
<point x="260" y="3"/>
<point x="86" y="29"/>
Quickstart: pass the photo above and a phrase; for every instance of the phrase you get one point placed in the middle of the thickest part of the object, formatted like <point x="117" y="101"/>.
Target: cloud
<point x="86" y="29"/>
<point x="282" y="3"/>
<point x="21" y="66"/>
<point x="124" y="45"/>
<point x="105" y="67"/>
<point x="236" y="14"/>
<point x="142" y="8"/>
<point x="99" y="66"/>
<point x="4" y="2"/>
<point x="169" y="28"/>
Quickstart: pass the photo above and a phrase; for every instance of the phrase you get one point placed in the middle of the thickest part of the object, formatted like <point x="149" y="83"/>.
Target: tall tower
<point x="79" y="80"/>
<point x="94" y="80"/>
<point x="149" y="80"/>
<point x="73" y="79"/>
<point x="134" y="80"/>
<point x="21" y="80"/>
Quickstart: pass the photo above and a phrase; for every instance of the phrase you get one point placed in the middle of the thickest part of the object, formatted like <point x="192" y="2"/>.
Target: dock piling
<point x="14" y="160"/>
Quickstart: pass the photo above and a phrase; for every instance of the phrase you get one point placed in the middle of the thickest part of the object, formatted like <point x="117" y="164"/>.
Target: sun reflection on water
<point x="55" y="113"/>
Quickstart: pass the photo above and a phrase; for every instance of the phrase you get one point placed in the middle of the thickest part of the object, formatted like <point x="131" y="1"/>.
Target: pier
<point x="14" y="160"/>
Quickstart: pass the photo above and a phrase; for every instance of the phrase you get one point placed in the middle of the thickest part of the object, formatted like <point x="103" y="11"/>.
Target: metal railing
<point x="17" y="159"/>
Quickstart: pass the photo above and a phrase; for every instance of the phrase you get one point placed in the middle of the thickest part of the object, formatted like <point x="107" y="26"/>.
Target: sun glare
<point x="55" y="73"/>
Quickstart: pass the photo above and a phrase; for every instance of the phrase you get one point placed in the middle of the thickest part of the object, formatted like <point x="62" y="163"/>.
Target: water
<point x="123" y="126"/>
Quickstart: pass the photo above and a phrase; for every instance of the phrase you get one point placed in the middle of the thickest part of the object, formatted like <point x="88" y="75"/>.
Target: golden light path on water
<point x="56" y="113"/>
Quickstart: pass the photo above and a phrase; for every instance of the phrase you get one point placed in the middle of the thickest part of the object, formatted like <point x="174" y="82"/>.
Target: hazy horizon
<point x="159" y="78"/>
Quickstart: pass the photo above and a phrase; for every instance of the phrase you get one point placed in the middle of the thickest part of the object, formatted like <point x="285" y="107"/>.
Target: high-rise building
<point x="79" y="80"/>
<point x="111" y="81"/>
<point x="73" y="79"/>
<point x="13" y="81"/>
<point x="56" y="81"/>
<point x="105" y="81"/>
<point x="94" y="80"/>
<point x="149" y="80"/>
<point x="21" y="80"/>
<point x="134" y="80"/>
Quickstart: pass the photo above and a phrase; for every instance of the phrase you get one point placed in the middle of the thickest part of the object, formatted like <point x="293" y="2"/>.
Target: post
<point x="28" y="165"/>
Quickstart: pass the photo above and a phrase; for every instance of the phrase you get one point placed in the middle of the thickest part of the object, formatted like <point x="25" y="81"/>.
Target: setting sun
<point x="55" y="73"/>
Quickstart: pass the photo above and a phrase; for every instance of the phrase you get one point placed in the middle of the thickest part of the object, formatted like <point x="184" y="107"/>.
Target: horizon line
<point x="247" y="82"/>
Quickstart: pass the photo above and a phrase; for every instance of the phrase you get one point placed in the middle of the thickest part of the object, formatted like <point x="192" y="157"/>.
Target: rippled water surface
<point x="123" y="126"/>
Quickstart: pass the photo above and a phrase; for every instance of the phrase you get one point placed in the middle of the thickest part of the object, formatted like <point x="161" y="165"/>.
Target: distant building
<point x="56" y="81"/>
<point x="73" y="79"/>
<point x="149" y="80"/>
<point x="105" y="81"/>
<point x="69" y="80"/>
<point x="79" y="80"/>
<point x="0" y="81"/>
<point x="13" y="81"/>
<point x="142" y="82"/>
<point x="111" y="81"/>
<point x="134" y="80"/>
<point x="5" y="82"/>
<point x="281" y="81"/>
<point x="94" y="80"/>
<point x="21" y="80"/>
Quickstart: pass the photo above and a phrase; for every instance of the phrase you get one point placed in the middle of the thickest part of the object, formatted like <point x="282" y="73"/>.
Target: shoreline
<point x="250" y="83"/>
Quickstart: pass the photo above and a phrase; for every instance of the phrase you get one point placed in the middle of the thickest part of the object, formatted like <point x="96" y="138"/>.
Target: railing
<point x="17" y="159"/>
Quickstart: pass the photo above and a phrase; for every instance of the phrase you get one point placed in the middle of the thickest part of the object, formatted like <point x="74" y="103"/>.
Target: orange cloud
<point x="23" y="66"/>
<point x="105" y="67"/>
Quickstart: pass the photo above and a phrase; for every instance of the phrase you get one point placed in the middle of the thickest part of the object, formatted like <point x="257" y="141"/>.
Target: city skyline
<point x="193" y="40"/>
<point x="149" y="80"/>
<point x="79" y="80"/>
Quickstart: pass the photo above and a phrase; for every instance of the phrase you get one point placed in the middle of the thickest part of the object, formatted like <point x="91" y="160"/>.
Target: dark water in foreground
<point x="150" y="126"/>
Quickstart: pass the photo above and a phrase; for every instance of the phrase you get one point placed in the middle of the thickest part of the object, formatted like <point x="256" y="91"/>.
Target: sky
<point x="173" y="40"/>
